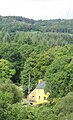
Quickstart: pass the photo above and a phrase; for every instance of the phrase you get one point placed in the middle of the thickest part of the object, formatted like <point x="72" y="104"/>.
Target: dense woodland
<point x="43" y="49"/>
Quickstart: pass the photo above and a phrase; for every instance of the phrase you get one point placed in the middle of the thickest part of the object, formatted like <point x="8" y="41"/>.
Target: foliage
<point x="18" y="23"/>
<point x="9" y="94"/>
<point x="54" y="66"/>
<point x="36" y="65"/>
<point x="6" y="70"/>
<point x="59" y="74"/>
<point x="43" y="49"/>
<point x="12" y="89"/>
<point x="64" y="108"/>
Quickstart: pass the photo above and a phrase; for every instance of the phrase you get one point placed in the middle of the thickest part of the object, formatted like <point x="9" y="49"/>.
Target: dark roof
<point x="41" y="85"/>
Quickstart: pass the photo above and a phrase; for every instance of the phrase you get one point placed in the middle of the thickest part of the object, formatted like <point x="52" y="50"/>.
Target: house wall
<point x="38" y="96"/>
<point x="32" y="96"/>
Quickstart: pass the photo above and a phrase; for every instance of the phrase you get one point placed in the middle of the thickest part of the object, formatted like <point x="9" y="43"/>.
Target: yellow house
<point x="38" y="95"/>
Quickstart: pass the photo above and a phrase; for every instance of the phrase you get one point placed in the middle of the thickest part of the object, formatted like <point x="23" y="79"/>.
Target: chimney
<point x="40" y="81"/>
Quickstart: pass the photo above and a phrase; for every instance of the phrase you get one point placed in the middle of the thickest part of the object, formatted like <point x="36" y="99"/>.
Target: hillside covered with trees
<point x="43" y="48"/>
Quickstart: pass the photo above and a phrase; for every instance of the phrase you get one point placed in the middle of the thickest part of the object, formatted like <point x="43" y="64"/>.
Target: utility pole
<point x="29" y="85"/>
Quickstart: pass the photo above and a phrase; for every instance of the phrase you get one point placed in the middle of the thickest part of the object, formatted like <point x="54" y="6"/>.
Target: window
<point x="39" y="97"/>
<point x="44" y="98"/>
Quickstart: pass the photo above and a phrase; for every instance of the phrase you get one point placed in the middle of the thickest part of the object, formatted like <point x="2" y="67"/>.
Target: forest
<point x="43" y="48"/>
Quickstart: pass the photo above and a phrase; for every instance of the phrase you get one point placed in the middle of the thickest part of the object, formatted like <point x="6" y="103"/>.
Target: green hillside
<point x="43" y="48"/>
<point x="18" y="23"/>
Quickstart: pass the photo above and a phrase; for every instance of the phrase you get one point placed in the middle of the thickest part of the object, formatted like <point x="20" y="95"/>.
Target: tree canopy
<point x="43" y="49"/>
